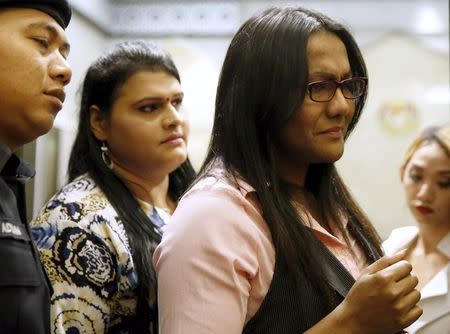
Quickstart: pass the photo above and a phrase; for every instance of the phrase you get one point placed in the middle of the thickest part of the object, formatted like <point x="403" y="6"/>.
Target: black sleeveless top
<point x="286" y="311"/>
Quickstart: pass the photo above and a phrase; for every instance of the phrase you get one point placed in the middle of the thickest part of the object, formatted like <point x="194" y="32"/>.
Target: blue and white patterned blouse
<point x="86" y="254"/>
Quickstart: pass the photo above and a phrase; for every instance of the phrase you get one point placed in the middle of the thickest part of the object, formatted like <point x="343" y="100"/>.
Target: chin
<point x="177" y="162"/>
<point x="329" y="157"/>
<point x="425" y="220"/>
<point x="182" y="160"/>
<point x="329" y="152"/>
<point x="43" y="124"/>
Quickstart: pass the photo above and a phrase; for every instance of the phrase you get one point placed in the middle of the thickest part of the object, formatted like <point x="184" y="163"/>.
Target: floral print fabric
<point x="86" y="254"/>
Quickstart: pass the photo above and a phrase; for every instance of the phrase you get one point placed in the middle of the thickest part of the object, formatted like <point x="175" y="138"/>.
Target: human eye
<point x="444" y="184"/>
<point x="321" y="90"/>
<point x="148" y="108"/>
<point x="321" y="86"/>
<point x="177" y="103"/>
<point x="64" y="52"/>
<point x="414" y="176"/>
<point x="42" y="42"/>
<point x="353" y="87"/>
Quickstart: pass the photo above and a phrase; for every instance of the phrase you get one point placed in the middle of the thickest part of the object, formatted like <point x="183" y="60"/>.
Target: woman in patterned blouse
<point x="127" y="169"/>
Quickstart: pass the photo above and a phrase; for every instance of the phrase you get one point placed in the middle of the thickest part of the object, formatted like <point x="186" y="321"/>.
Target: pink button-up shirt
<point x="216" y="260"/>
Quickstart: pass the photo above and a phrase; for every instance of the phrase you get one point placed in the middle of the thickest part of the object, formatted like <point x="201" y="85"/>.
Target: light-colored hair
<point x="436" y="134"/>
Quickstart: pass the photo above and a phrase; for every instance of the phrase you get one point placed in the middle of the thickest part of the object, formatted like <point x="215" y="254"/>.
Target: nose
<point x="60" y="70"/>
<point x="339" y="105"/>
<point x="172" y="117"/>
<point x="425" y="193"/>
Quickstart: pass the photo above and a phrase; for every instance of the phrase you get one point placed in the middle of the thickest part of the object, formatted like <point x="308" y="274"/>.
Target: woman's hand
<point x="383" y="299"/>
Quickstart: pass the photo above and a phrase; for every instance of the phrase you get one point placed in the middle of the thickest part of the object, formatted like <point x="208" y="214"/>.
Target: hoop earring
<point x="105" y="156"/>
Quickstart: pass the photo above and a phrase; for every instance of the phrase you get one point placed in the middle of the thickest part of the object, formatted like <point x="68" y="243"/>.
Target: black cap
<point x="58" y="9"/>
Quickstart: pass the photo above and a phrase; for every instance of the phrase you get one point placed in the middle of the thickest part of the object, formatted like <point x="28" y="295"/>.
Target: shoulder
<point x="80" y="207"/>
<point x="226" y="189"/>
<point x="82" y="241"/>
<point x="217" y="204"/>
<point x="215" y="219"/>
<point x="219" y="244"/>
<point x="215" y="185"/>
<point x="78" y="190"/>
<point x="75" y="201"/>
<point x="399" y="239"/>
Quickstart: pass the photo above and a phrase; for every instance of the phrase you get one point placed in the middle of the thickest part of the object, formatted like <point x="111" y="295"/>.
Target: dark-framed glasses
<point x="323" y="91"/>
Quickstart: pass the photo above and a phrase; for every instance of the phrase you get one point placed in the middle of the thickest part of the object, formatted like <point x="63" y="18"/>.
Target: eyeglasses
<point x="323" y="91"/>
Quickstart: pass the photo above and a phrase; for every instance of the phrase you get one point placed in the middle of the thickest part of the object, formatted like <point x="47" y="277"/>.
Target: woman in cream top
<point x="425" y="175"/>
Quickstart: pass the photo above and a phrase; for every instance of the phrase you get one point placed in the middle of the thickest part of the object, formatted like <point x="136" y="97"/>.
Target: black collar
<point x="12" y="167"/>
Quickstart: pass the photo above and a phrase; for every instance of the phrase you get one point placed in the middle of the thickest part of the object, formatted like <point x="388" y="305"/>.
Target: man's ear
<point x="98" y="123"/>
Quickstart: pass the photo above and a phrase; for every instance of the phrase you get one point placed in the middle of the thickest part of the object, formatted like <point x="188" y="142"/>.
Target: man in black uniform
<point x="33" y="74"/>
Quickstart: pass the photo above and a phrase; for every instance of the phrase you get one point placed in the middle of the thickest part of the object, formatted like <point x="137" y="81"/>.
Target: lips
<point x="334" y="133"/>
<point x="335" y="129"/>
<point x="172" y="138"/>
<point x="424" y="210"/>
<point x="58" y="93"/>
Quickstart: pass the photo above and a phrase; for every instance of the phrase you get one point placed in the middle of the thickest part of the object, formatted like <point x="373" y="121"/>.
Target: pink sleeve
<point x="205" y="264"/>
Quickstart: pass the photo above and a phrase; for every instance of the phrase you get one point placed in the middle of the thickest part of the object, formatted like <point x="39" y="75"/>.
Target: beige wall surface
<point x="402" y="72"/>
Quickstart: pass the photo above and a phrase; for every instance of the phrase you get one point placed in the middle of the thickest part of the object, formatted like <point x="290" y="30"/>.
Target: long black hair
<point x="103" y="80"/>
<point x="261" y="86"/>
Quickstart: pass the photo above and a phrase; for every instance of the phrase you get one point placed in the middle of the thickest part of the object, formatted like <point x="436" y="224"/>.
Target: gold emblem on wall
<point x="398" y="117"/>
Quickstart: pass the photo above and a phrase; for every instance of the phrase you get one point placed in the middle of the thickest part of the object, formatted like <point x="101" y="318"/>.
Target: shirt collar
<point x="244" y="187"/>
<point x="438" y="285"/>
<point x="218" y="171"/>
<point x="12" y="167"/>
<point x="444" y="245"/>
<point x="247" y="189"/>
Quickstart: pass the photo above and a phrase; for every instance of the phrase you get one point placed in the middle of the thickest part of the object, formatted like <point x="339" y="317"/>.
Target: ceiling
<point x="366" y="18"/>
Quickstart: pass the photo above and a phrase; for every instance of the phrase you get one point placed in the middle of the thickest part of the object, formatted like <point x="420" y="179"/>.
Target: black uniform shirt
<point x="24" y="289"/>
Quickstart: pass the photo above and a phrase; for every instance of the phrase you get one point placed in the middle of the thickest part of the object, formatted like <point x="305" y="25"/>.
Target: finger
<point x="407" y="302"/>
<point x="385" y="262"/>
<point x="406" y="285"/>
<point x="411" y="316"/>
<point x="397" y="271"/>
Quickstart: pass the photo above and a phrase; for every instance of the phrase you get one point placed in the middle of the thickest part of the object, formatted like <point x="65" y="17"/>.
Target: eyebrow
<point x="53" y="33"/>
<point x="420" y="167"/>
<point x="328" y="76"/>
<point x="158" y="98"/>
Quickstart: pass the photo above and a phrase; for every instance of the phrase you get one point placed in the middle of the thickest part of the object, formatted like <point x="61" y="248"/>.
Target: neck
<point x="430" y="236"/>
<point x="153" y="190"/>
<point x="291" y="170"/>
<point x="303" y="200"/>
<point x="294" y="175"/>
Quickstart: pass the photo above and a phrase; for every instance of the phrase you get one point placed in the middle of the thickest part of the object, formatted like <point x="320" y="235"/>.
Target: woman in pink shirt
<point x="269" y="239"/>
